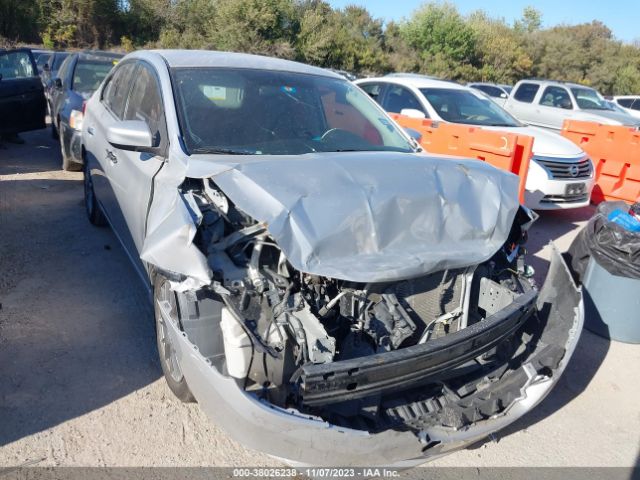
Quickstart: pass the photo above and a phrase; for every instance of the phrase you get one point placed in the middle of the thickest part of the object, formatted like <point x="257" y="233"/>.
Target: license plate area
<point x="573" y="189"/>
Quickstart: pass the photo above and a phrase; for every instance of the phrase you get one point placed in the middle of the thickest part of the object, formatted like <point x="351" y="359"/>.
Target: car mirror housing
<point x="58" y="83"/>
<point x="130" y="135"/>
<point x="412" y="112"/>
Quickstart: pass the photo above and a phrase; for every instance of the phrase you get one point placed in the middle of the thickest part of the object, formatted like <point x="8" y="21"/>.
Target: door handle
<point x="90" y="130"/>
<point x="112" y="156"/>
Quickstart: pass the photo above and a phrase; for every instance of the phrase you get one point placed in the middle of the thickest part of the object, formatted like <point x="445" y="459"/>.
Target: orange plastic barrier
<point x="615" y="152"/>
<point x="503" y="150"/>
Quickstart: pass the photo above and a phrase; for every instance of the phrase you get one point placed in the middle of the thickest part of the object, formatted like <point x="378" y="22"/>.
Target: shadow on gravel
<point x="76" y="327"/>
<point x="39" y="153"/>
<point x="552" y="226"/>
<point x="587" y="358"/>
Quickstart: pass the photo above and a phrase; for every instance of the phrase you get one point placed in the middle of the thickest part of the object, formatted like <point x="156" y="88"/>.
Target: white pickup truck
<point x="547" y="104"/>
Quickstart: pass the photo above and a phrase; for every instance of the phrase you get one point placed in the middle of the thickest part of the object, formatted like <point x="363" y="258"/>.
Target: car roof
<point x="416" y="81"/>
<point x="555" y="82"/>
<point x="622" y="97"/>
<point x="210" y="58"/>
<point x="96" y="55"/>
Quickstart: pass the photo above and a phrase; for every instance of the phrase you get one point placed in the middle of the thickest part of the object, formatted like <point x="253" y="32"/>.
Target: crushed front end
<point x="326" y="371"/>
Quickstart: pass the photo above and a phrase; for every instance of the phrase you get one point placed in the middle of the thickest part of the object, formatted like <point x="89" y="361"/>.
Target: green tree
<point x="444" y="39"/>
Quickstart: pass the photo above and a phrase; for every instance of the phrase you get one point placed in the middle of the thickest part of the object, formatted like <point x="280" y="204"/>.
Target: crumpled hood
<point x="372" y="216"/>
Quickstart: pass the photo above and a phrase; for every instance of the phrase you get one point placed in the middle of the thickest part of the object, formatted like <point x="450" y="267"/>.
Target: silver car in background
<point x="327" y="294"/>
<point x="547" y="104"/>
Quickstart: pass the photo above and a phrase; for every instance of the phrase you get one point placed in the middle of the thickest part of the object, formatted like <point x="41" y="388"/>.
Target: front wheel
<point x="162" y="293"/>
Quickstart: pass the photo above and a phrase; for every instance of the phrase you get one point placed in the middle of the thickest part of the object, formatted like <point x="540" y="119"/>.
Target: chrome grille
<point x="563" y="169"/>
<point x="579" y="198"/>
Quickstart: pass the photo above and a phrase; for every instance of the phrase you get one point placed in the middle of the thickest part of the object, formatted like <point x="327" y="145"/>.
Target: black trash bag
<point x="615" y="248"/>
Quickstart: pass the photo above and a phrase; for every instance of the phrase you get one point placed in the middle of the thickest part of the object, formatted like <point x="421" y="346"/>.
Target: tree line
<point x="436" y="39"/>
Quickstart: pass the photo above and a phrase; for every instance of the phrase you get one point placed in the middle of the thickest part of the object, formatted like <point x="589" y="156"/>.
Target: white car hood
<point x="546" y="143"/>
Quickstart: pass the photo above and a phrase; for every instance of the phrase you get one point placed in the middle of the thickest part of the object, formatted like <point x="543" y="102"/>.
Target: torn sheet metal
<point x="357" y="216"/>
<point x="169" y="241"/>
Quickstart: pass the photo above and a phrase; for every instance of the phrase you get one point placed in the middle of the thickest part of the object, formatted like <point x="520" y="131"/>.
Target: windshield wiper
<point x="222" y="151"/>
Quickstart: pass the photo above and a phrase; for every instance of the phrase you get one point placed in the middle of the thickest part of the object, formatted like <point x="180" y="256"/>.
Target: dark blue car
<point x="79" y="76"/>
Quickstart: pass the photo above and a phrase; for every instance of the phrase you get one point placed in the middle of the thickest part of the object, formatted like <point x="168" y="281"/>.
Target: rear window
<point x="526" y="92"/>
<point x="88" y="75"/>
<point x="625" y="102"/>
<point x="494" y="92"/>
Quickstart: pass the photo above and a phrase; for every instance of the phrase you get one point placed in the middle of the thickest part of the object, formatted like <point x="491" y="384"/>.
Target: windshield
<point x="589" y="99"/>
<point x="245" y="111"/>
<point x="88" y="75"/>
<point x="465" y="106"/>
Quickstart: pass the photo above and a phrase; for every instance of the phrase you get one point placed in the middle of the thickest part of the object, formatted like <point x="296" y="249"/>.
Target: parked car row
<point x="329" y="294"/>
<point x="78" y="77"/>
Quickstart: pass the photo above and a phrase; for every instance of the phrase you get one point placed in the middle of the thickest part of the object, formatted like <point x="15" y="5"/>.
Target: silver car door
<point x="132" y="172"/>
<point x="521" y="103"/>
<point x="102" y="156"/>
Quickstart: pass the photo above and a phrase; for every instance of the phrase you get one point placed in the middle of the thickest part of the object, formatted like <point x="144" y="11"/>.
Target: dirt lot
<point x="80" y="383"/>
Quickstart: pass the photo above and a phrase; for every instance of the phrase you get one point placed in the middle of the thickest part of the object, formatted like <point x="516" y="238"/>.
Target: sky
<point x="621" y="16"/>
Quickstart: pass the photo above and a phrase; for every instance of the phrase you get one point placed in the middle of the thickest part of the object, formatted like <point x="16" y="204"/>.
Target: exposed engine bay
<point x="404" y="354"/>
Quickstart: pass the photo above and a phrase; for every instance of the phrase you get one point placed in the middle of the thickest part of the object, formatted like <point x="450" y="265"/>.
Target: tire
<point x="92" y="207"/>
<point x="166" y="352"/>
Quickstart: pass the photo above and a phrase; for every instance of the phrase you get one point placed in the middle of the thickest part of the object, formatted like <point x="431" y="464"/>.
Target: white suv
<point x="630" y="104"/>
<point x="560" y="175"/>
<point x="548" y="104"/>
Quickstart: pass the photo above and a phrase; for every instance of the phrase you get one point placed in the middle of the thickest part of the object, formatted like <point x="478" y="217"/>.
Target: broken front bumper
<point x="302" y="439"/>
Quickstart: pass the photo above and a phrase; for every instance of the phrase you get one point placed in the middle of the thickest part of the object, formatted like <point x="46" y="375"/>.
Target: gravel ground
<point x="80" y="384"/>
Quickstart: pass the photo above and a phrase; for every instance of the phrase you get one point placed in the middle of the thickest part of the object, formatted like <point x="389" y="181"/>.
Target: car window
<point x="43" y="59"/>
<point x="636" y="104"/>
<point x="557" y="97"/>
<point x="589" y="99"/>
<point x="58" y="58"/>
<point x="399" y="98"/>
<point x="625" y="102"/>
<point x="145" y="102"/>
<point x="468" y="107"/>
<point x="526" y="92"/>
<point x="64" y="69"/>
<point x="115" y="93"/>
<point x="373" y="90"/>
<point x="489" y="90"/>
<point x="248" y="111"/>
<point x="89" y="74"/>
<point x="16" y="65"/>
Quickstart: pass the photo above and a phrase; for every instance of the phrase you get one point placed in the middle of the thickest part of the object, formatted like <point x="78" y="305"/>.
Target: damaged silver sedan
<point x="328" y="294"/>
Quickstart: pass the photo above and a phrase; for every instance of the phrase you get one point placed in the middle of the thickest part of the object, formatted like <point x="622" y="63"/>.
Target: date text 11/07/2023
<point x="332" y="473"/>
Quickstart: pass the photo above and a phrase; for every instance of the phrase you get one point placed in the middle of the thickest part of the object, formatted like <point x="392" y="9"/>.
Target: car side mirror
<point x="57" y="83"/>
<point x="46" y="67"/>
<point x="131" y="135"/>
<point x="412" y="113"/>
<point x="504" y="95"/>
